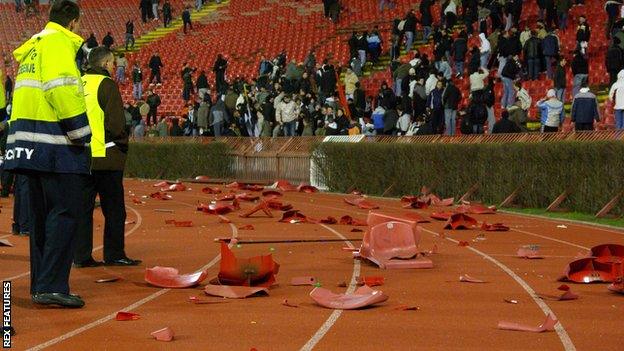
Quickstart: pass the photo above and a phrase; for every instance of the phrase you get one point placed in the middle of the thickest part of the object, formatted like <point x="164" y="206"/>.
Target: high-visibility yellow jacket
<point x="95" y="114"/>
<point x="49" y="126"/>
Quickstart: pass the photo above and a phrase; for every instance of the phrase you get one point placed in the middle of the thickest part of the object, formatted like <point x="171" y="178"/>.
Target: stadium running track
<point x="452" y="315"/>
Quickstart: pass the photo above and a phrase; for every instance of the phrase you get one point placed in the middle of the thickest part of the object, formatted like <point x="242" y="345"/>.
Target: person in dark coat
<point x="146" y="10"/>
<point x="390" y="120"/>
<point x="459" y="49"/>
<point x="219" y="68"/>
<point x="91" y="41"/>
<point x="532" y="55"/>
<point x="153" y="101"/>
<point x="108" y="40"/>
<point x="475" y="60"/>
<point x="614" y="61"/>
<point x="186" y="18"/>
<point x="450" y="98"/>
<point x="560" y="81"/>
<point x="167" y="13"/>
<point x="426" y="18"/>
<point x="584" y="110"/>
<point x="155" y="64"/>
<point x="504" y="125"/>
<point x="477" y="115"/>
<point x="436" y="107"/>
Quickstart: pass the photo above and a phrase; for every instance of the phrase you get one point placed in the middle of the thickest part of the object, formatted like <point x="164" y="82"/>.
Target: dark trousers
<point x="109" y="185"/>
<point x="187" y="24"/>
<point x="548" y="129"/>
<point x="152" y="115"/>
<point x="56" y="203"/>
<point x="21" y="205"/>
<point x="6" y="179"/>
<point x="166" y="19"/>
<point x="583" y="126"/>
<point x="155" y="75"/>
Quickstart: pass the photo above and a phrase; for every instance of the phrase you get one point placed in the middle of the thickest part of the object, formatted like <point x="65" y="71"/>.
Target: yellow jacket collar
<point x="50" y="28"/>
<point x="75" y="38"/>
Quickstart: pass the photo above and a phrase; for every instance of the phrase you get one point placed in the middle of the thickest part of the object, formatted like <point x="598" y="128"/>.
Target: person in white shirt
<point x="404" y="121"/>
<point x="485" y="50"/>
<point x="616" y="96"/>
<point x="431" y="82"/>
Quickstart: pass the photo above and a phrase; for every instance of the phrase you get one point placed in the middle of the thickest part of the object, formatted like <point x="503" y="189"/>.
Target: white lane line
<point x="136" y="226"/>
<point x="551" y="239"/>
<point x="331" y="320"/>
<point x="561" y="332"/>
<point x="127" y="308"/>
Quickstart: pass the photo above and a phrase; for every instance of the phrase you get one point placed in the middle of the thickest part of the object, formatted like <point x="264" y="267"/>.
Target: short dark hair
<point x="98" y="54"/>
<point x="63" y="12"/>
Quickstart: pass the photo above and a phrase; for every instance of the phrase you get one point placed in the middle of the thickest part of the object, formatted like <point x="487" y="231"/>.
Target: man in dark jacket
<point x="426" y="18"/>
<point x="532" y="53"/>
<point x="129" y="34"/>
<point x="509" y="75"/>
<point x="450" y="98"/>
<point x="153" y="101"/>
<point x="504" y="125"/>
<point x="202" y="85"/>
<point x="390" y="120"/>
<point x="550" y="49"/>
<point x="107" y="165"/>
<point x="167" y="13"/>
<point x="146" y="10"/>
<point x="108" y="40"/>
<point x="585" y="110"/>
<point x="560" y="81"/>
<point x="613" y="61"/>
<point x="219" y="68"/>
<point x="186" y="18"/>
<point x="458" y="51"/>
<point x="410" y="29"/>
<point x="359" y="100"/>
<point x="155" y="64"/>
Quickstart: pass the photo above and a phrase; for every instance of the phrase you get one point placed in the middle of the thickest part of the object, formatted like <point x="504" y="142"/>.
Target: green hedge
<point x="593" y="171"/>
<point x="178" y="160"/>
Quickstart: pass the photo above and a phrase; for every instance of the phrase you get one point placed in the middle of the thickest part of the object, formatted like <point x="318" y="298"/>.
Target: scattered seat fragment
<point x="233" y="291"/>
<point x="361" y="202"/>
<point x="548" y="325"/>
<point x="211" y="190"/>
<point x="410" y="201"/>
<point x="169" y="277"/>
<point x="127" y="316"/>
<point x="348" y="220"/>
<point x="294" y="216"/>
<point x="160" y="196"/>
<point x="566" y="294"/>
<point x="441" y="216"/>
<point x="465" y="278"/>
<point x="361" y="297"/>
<point x="298" y="281"/>
<point x="608" y="253"/>
<point x="309" y="189"/>
<point x="162" y="184"/>
<point x="475" y="208"/>
<point x="589" y="270"/>
<point x="529" y="251"/>
<point x="253" y="271"/>
<point x="164" y="334"/>
<point x="261" y="206"/>
<point x="495" y="227"/>
<point x="5" y="242"/>
<point x="174" y="187"/>
<point x="460" y="221"/>
<point x="284" y="185"/>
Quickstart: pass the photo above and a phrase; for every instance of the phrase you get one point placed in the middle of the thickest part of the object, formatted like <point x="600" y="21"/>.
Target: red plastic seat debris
<point x="297" y="281"/>
<point x="309" y="189"/>
<point x="253" y="271"/>
<point x="246" y="227"/>
<point x="126" y="316"/>
<point x="261" y="206"/>
<point x="164" y="334"/>
<point x="348" y="220"/>
<point x="174" y="187"/>
<point x="202" y="178"/>
<point x="441" y="216"/>
<point x="251" y="187"/>
<point x="371" y="280"/>
<point x="272" y="193"/>
<point x="463" y="243"/>
<point x="275" y="204"/>
<point x="565" y="296"/>
<point x="475" y="209"/>
<point x="235" y="185"/>
<point x="247" y="197"/>
<point x="218" y="208"/>
<point x="361" y="297"/>
<point x="162" y="184"/>
<point x="225" y="197"/>
<point x="548" y="325"/>
<point x="436" y="201"/>
<point x="410" y="218"/>
<point x="529" y="251"/>
<point x="234" y="292"/>
<point x="136" y="201"/>
<point x="294" y="216"/>
<point x="589" y="270"/>
<point x="179" y="223"/>
<point x="5" y="242"/>
<point x="413" y="202"/>
<point x="211" y="190"/>
<point x="361" y="202"/>
<point x="495" y="227"/>
<point x="393" y="245"/>
<point x="329" y="220"/>
<point x="460" y="221"/>
<point x="608" y="253"/>
<point x="169" y="277"/>
<point x="161" y="196"/>
<point x="465" y="278"/>
<point x="285" y="185"/>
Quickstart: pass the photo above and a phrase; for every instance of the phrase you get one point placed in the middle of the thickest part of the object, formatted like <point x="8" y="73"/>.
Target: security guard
<point x="109" y="146"/>
<point x="47" y="141"/>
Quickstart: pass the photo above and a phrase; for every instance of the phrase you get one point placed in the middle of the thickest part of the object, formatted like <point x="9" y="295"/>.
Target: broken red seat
<point x="361" y="297"/>
<point x="294" y="216"/>
<point x="252" y="187"/>
<point x="329" y="220"/>
<point x="278" y="205"/>
<point x="247" y="197"/>
<point x="348" y="220"/>
<point x="169" y="277"/>
<point x="589" y="270"/>
<point x="374" y="218"/>
<point x="162" y="184"/>
<point x="436" y="201"/>
<point x="441" y="216"/>
<point x="160" y="196"/>
<point x="475" y="208"/>
<point x="608" y="253"/>
<point x="235" y="185"/>
<point x="174" y="187"/>
<point x="234" y="292"/>
<point x="211" y="190"/>
<point x="253" y="271"/>
<point x="164" y="334"/>
<point x="202" y="178"/>
<point x="304" y="188"/>
<point x="262" y="206"/>
<point x="218" y="208"/>
<point x="548" y="325"/>
<point x="361" y="202"/>
<point x="272" y="193"/>
<point x="225" y="197"/>
<point x="393" y="245"/>
<point x="495" y="227"/>
<point x="460" y="221"/>
<point x="285" y="185"/>
<point x="413" y="202"/>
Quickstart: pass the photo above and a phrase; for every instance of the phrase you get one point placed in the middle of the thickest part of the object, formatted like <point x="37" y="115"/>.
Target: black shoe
<point x="88" y="263"/>
<point x="64" y="300"/>
<point x="123" y="262"/>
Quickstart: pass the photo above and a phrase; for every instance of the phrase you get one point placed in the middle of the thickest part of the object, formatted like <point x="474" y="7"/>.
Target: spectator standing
<point x="584" y="110"/>
<point x="108" y="40"/>
<point x="613" y="10"/>
<point x="286" y="115"/>
<point x="155" y="64"/>
<point x="559" y="80"/>
<point x="202" y="85"/>
<point x="91" y="41"/>
<point x="450" y="98"/>
<point x="580" y="71"/>
<point x="614" y="61"/>
<point x="146" y="10"/>
<point x="218" y="117"/>
<point x="476" y="115"/>
<point x="187" y="89"/>
<point x="390" y="119"/>
<point x="409" y="28"/>
<point x="583" y="34"/>
<point x="563" y="10"/>
<point x="350" y="80"/>
<point x="436" y="107"/>
<point x="153" y="101"/>
<point x="509" y="75"/>
<point x="219" y="68"/>
<point x="129" y="34"/>
<point x="404" y="121"/>
<point x="504" y="125"/>
<point x="550" y="49"/>
<point x="122" y="64"/>
<point x="484" y="51"/>
<point x="552" y="113"/>
<point x="167" y="13"/>
<point x="459" y="49"/>
<point x="155" y="4"/>
<point x="426" y="18"/>
<point x="137" y="82"/>
<point x="532" y="56"/>
<point x="186" y="19"/>
<point x="616" y="96"/>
